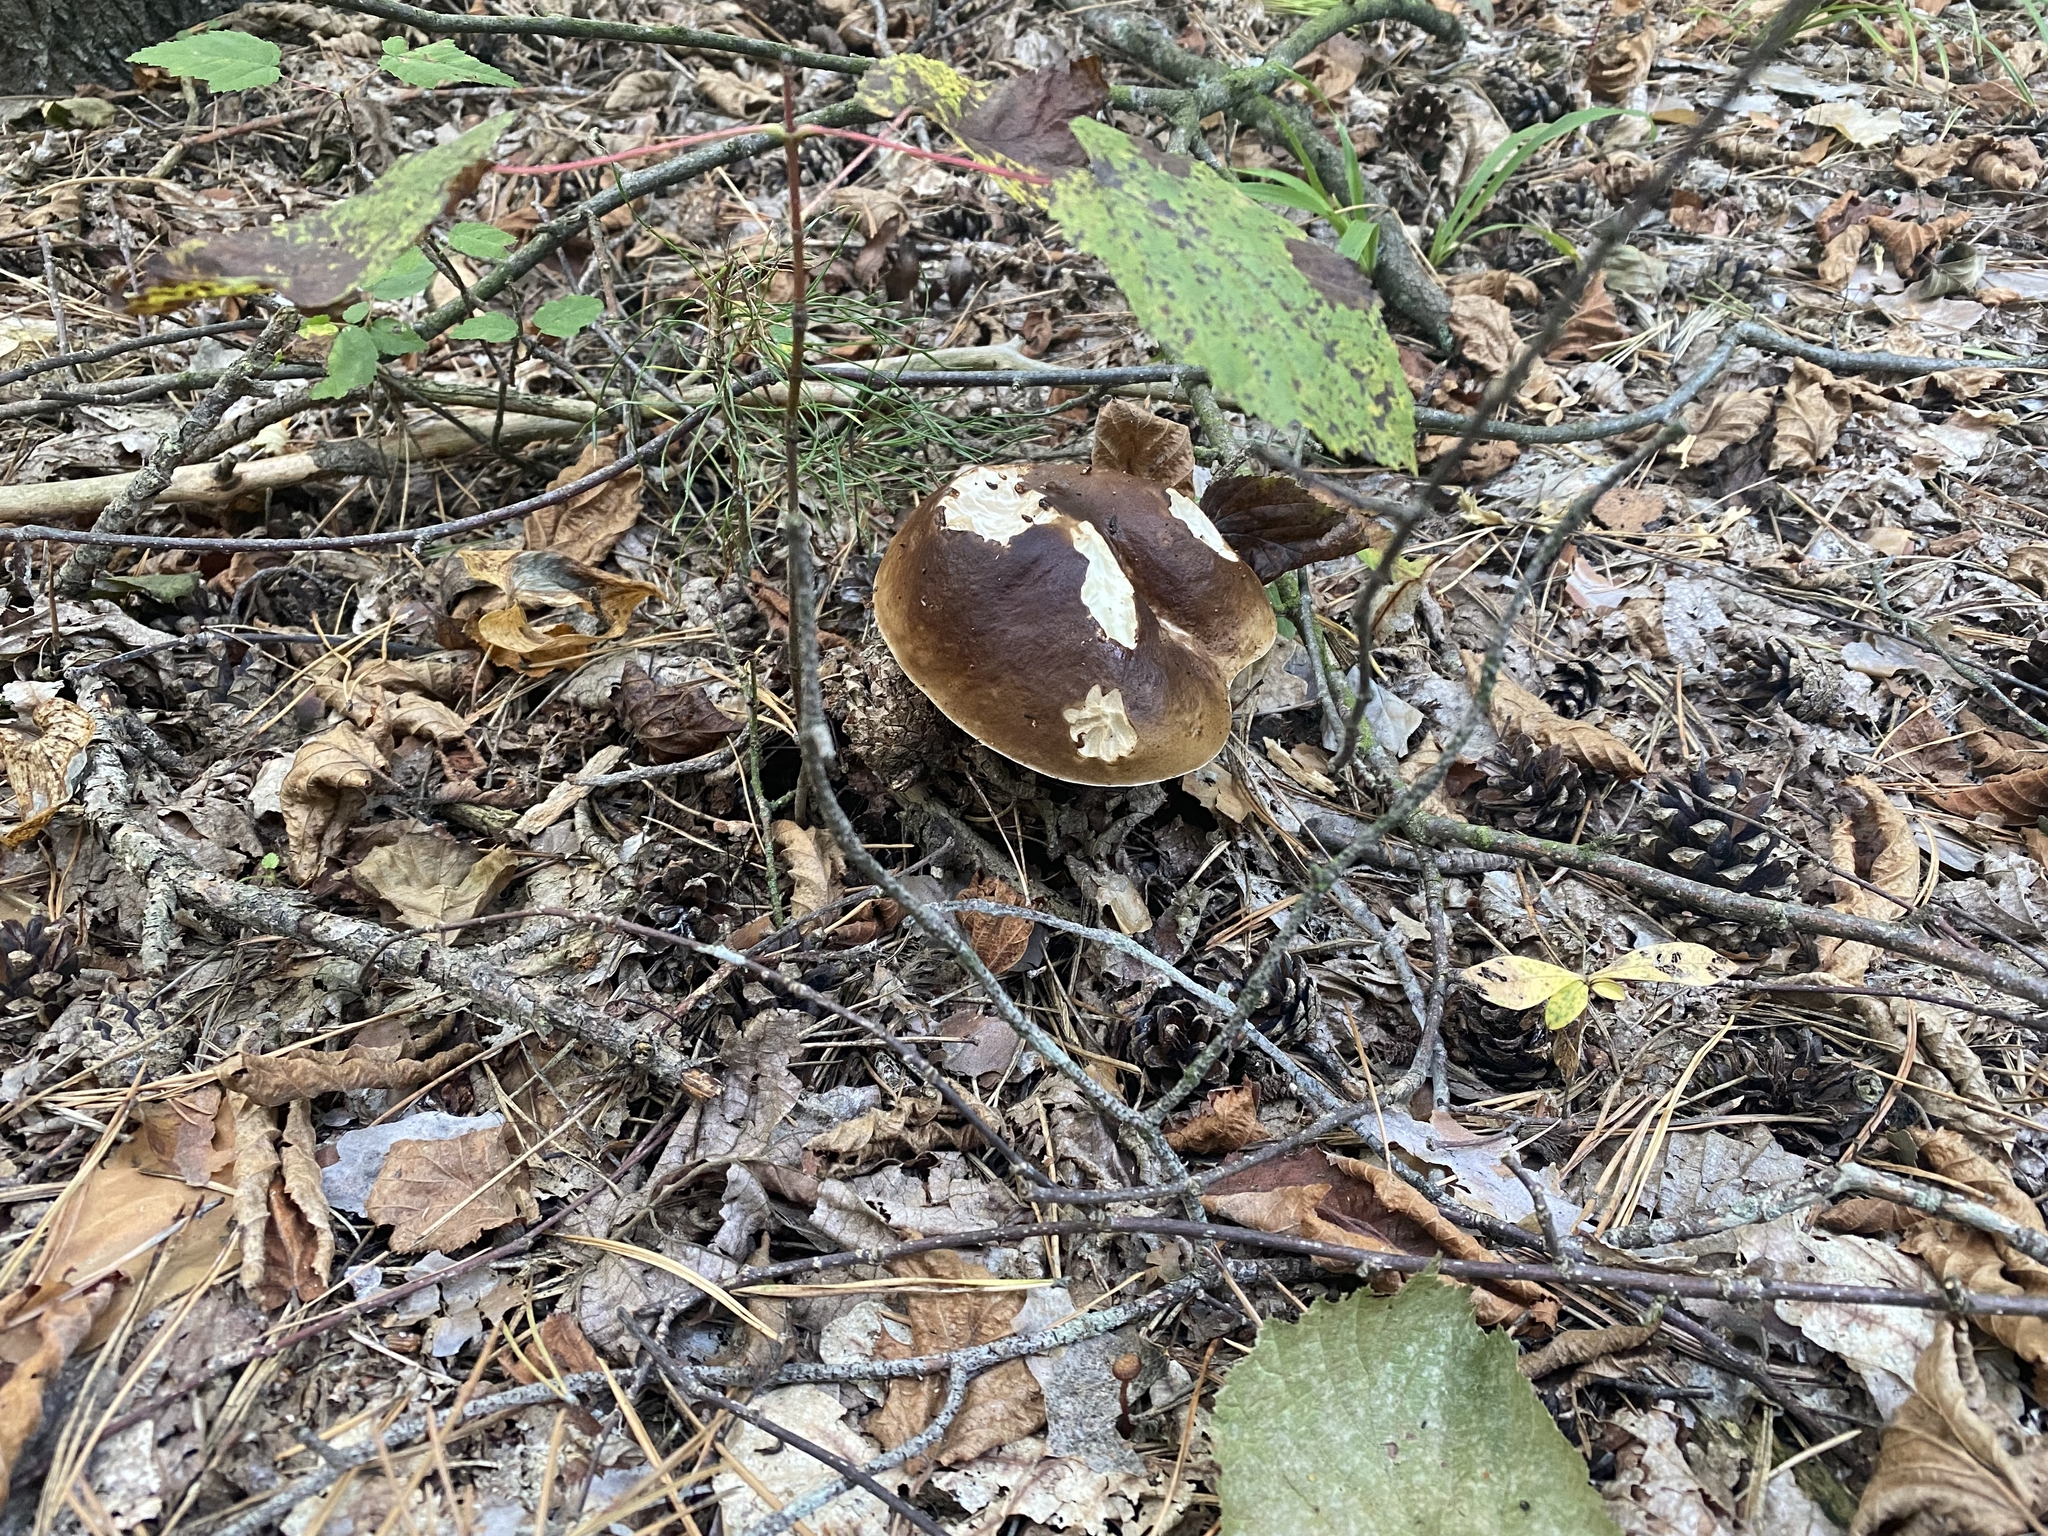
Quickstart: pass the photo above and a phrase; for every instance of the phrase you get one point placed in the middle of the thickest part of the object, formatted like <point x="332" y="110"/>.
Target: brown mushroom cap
<point x="1084" y="623"/>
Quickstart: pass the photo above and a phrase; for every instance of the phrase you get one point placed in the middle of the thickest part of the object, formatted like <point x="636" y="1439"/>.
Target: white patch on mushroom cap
<point x="1198" y="524"/>
<point x="1106" y="590"/>
<point x="992" y="503"/>
<point x="1100" y="726"/>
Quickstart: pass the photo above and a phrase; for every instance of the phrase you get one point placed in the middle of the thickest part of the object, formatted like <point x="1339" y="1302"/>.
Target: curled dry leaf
<point x="1330" y="1199"/>
<point x="2016" y="798"/>
<point x="274" y="1080"/>
<point x="586" y="526"/>
<point x="58" y="1332"/>
<point x="447" y="1194"/>
<point x="1994" y="752"/>
<point x="1876" y="841"/>
<point x="1621" y="58"/>
<point x="1809" y="418"/>
<point x="287" y="1231"/>
<point x="1516" y="709"/>
<point x="1594" y="328"/>
<point x="1952" y="1460"/>
<point x="1911" y="244"/>
<point x="814" y="866"/>
<point x="2009" y="165"/>
<point x="1839" y="256"/>
<point x="674" y="723"/>
<point x="1276" y="526"/>
<point x="1977" y="1261"/>
<point x="1485" y="332"/>
<point x="1128" y="437"/>
<point x="1000" y="941"/>
<point x="549" y="609"/>
<point x="1732" y="418"/>
<point x="432" y="879"/>
<point x="324" y="791"/>
<point x="40" y="767"/>
<point x="1228" y="1121"/>
<point x="1001" y="1405"/>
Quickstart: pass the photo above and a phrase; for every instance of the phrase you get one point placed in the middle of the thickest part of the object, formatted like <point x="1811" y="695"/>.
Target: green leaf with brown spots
<point x="1390" y="1416"/>
<point x="1286" y="327"/>
<point x="321" y="260"/>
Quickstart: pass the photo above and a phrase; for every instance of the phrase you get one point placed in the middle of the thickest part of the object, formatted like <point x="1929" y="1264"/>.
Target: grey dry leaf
<point x="39" y="767"/>
<point x="447" y="1194"/>
<point x="1953" y="1461"/>
<point x="814" y="866"/>
<point x="1733" y="418"/>
<point x="640" y="91"/>
<point x="1130" y="438"/>
<point x="1517" y="710"/>
<point x="431" y="879"/>
<point x="1485" y="332"/>
<point x="729" y="94"/>
<point x="324" y="791"/>
<point x="587" y="525"/>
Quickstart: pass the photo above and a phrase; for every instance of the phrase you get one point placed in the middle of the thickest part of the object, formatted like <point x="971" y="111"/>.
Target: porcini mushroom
<point x="1084" y="623"/>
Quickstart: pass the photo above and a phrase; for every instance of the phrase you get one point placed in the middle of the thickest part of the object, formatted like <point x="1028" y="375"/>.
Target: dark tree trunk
<point x="58" y="45"/>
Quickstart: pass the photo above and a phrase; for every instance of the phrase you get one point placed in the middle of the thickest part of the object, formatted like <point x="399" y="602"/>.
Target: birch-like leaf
<point x="1684" y="965"/>
<point x="1516" y="981"/>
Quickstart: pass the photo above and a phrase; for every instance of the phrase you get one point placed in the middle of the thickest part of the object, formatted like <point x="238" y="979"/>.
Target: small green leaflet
<point x="440" y="63"/>
<point x="1392" y="1416"/>
<point x="351" y="363"/>
<point x="486" y="242"/>
<point x="394" y="339"/>
<point x="226" y="61"/>
<point x="487" y="327"/>
<point x="1285" y="326"/>
<point x="410" y="275"/>
<point x="563" y="318"/>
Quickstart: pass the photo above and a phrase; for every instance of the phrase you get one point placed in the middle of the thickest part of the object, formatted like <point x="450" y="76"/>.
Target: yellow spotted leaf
<point x="1516" y="981"/>
<point x="1566" y="1004"/>
<point x="1684" y="965"/>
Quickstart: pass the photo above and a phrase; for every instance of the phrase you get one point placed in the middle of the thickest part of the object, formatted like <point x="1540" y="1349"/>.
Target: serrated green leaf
<point x="226" y="61"/>
<point x="351" y="363"/>
<point x="1286" y="326"/>
<point x="406" y="277"/>
<point x="486" y="242"/>
<point x="440" y="63"/>
<point x="1393" y="1417"/>
<point x="1684" y="965"/>
<point x="565" y="317"/>
<point x="321" y="260"/>
<point x="486" y="327"/>
<point x="1516" y="981"/>
<point x="1566" y="1004"/>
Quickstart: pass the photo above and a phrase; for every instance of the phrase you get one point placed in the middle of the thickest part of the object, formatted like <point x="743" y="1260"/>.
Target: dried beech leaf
<point x="1516" y="709"/>
<point x="447" y="1194"/>
<point x="1952" y="1460"/>
<point x="813" y="862"/>
<point x="1228" y="1121"/>
<point x="58" y="1332"/>
<point x="1809" y="418"/>
<point x="1594" y="328"/>
<point x="2016" y="798"/>
<point x="1910" y="243"/>
<point x="2009" y="165"/>
<point x="1356" y="1204"/>
<point x="587" y="525"/>
<point x="1485" y="332"/>
<point x="1000" y="941"/>
<point x="1970" y="1260"/>
<point x="1922" y="163"/>
<point x="1276" y="526"/>
<point x="1735" y="417"/>
<point x="1128" y="437"/>
<point x="674" y="724"/>
<point x="1001" y="1405"/>
<point x="1995" y="753"/>
<point x="1838" y="258"/>
<point x="432" y="879"/>
<point x="275" y="1080"/>
<point x="576" y="607"/>
<point x="301" y="1226"/>
<point x="1621" y="59"/>
<point x="324" y="791"/>
<point x="1876" y="841"/>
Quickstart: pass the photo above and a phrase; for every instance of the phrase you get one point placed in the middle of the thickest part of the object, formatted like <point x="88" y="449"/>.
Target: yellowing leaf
<point x="40" y="769"/>
<point x="1516" y="981"/>
<point x="1684" y="965"/>
<point x="1567" y="1004"/>
<point x="1613" y="991"/>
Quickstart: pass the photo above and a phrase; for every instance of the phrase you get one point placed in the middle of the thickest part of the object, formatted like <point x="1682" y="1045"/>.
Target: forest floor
<point x="458" y="1074"/>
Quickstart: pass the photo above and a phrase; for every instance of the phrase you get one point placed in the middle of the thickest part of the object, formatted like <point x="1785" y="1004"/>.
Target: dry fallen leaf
<point x="1876" y="841"/>
<point x="674" y="723"/>
<point x="587" y="525"/>
<point x="1128" y="437"/>
<point x="1001" y="1405"/>
<point x="1909" y="243"/>
<point x="1518" y="711"/>
<point x="1952" y="1460"/>
<point x="1275" y="526"/>
<point x="1228" y="1121"/>
<point x="58" y="1333"/>
<point x="1594" y="328"/>
<point x="1732" y="418"/>
<point x="324" y="791"/>
<point x="1995" y="753"/>
<point x="2009" y="165"/>
<point x="1000" y="941"/>
<point x="40" y="768"/>
<point x="1809" y="418"/>
<point x="558" y="1349"/>
<point x="1621" y="58"/>
<point x="1838" y="258"/>
<point x="729" y="94"/>
<point x="275" y="1080"/>
<point x="2017" y="798"/>
<point x="813" y="862"/>
<point x="446" y="1194"/>
<point x="431" y="879"/>
<point x="549" y="609"/>
<point x="287" y="1231"/>
<point x="1485" y="332"/>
